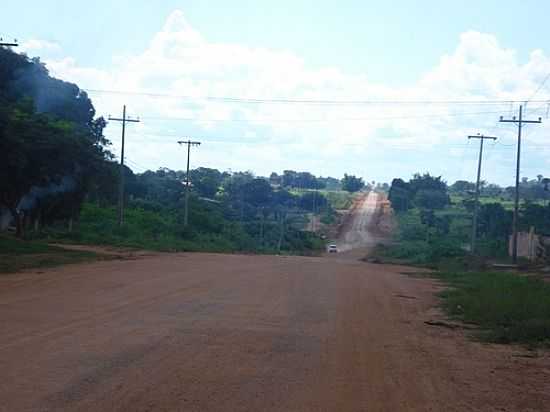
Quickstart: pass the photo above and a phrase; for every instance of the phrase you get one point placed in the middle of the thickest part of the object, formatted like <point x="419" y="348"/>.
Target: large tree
<point x="352" y="183"/>
<point x="48" y="136"/>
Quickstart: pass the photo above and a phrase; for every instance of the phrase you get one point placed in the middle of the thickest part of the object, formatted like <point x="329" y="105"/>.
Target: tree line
<point x="56" y="170"/>
<point x="443" y="212"/>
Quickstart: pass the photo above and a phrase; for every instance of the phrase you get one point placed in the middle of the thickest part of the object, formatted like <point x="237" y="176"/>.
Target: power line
<point x="379" y="141"/>
<point x="539" y="88"/>
<point x="325" y="120"/>
<point x="330" y="102"/>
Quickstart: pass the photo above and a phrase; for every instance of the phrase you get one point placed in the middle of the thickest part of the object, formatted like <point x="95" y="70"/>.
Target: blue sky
<point x="346" y="50"/>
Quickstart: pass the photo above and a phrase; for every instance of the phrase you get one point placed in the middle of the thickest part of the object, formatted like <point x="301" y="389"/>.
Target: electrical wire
<point x="327" y="120"/>
<point x="329" y="102"/>
<point x="542" y="84"/>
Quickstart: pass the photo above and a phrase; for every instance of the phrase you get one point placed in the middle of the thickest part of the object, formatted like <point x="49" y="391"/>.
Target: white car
<point x="332" y="248"/>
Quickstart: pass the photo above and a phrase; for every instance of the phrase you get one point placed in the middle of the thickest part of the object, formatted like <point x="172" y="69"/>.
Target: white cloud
<point x="181" y="61"/>
<point x="40" y="46"/>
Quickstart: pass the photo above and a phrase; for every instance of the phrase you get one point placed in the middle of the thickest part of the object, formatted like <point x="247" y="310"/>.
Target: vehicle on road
<point x="332" y="248"/>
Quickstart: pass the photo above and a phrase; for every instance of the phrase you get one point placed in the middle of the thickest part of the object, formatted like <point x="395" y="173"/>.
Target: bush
<point x="431" y="199"/>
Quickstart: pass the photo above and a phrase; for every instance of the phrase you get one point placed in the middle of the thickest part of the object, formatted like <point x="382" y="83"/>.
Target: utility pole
<point x="520" y="122"/>
<point x="314" y="210"/>
<point x="476" y="205"/>
<point x="125" y="119"/>
<point x="282" y="218"/>
<point x="189" y="143"/>
<point x="8" y="44"/>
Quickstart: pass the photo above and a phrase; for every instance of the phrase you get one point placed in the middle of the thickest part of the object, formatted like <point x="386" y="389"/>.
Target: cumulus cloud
<point x="40" y="46"/>
<point x="180" y="61"/>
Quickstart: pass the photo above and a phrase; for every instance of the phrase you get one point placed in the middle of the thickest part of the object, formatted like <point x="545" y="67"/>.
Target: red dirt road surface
<point x="207" y="332"/>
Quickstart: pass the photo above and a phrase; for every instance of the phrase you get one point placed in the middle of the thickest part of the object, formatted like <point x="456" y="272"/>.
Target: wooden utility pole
<point x="189" y="143"/>
<point x="314" y="210"/>
<point x="8" y="44"/>
<point x="520" y="122"/>
<point x="125" y="119"/>
<point x="476" y="205"/>
<point x="282" y="218"/>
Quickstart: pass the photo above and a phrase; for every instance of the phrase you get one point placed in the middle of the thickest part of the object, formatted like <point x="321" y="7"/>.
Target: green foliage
<point x="423" y="191"/>
<point x="304" y="180"/>
<point x="431" y="199"/>
<point x="400" y="195"/>
<point x="462" y="187"/>
<point x="206" y="182"/>
<point x="53" y="156"/>
<point x="508" y="308"/>
<point x="257" y="192"/>
<point x="534" y="215"/>
<point x="339" y="199"/>
<point x="313" y="201"/>
<point x="48" y="134"/>
<point x="352" y="183"/>
<point x="494" y="222"/>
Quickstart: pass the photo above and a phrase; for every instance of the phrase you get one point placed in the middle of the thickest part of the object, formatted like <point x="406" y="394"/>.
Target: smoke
<point x="28" y="202"/>
<point x="49" y="95"/>
<point x="5" y="218"/>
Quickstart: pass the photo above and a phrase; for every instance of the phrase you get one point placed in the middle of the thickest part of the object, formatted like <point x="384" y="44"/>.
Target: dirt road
<point x="356" y="232"/>
<point x="192" y="332"/>
<point x="360" y="229"/>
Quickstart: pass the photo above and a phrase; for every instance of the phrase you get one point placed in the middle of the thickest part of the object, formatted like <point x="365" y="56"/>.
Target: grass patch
<point x="338" y="199"/>
<point x="17" y="255"/>
<point x="508" y="308"/>
<point x="164" y="231"/>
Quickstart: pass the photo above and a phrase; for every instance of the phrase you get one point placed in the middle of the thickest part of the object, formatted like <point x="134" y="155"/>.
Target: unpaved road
<point x="207" y="332"/>
<point x="357" y="233"/>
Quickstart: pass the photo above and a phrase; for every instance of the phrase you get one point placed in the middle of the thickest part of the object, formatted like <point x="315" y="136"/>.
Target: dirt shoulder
<point x="204" y="332"/>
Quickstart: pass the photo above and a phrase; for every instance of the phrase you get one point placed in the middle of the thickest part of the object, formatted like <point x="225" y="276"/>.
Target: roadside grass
<point x="156" y="231"/>
<point x="17" y="255"/>
<point x="507" y="307"/>
<point x="339" y="199"/>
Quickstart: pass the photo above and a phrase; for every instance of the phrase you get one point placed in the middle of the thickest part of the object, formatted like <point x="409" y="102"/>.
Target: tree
<point x="494" y="221"/>
<point x="429" y="191"/>
<point x="537" y="216"/>
<point x="462" y="187"/>
<point x="426" y="181"/>
<point x="206" y="181"/>
<point x="309" y="200"/>
<point x="257" y="192"/>
<point x="48" y="137"/>
<point x="400" y="195"/>
<point x="431" y="199"/>
<point x="352" y="183"/>
<point x="303" y="180"/>
<point x="491" y="190"/>
<point x="329" y="183"/>
<point x="275" y="179"/>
